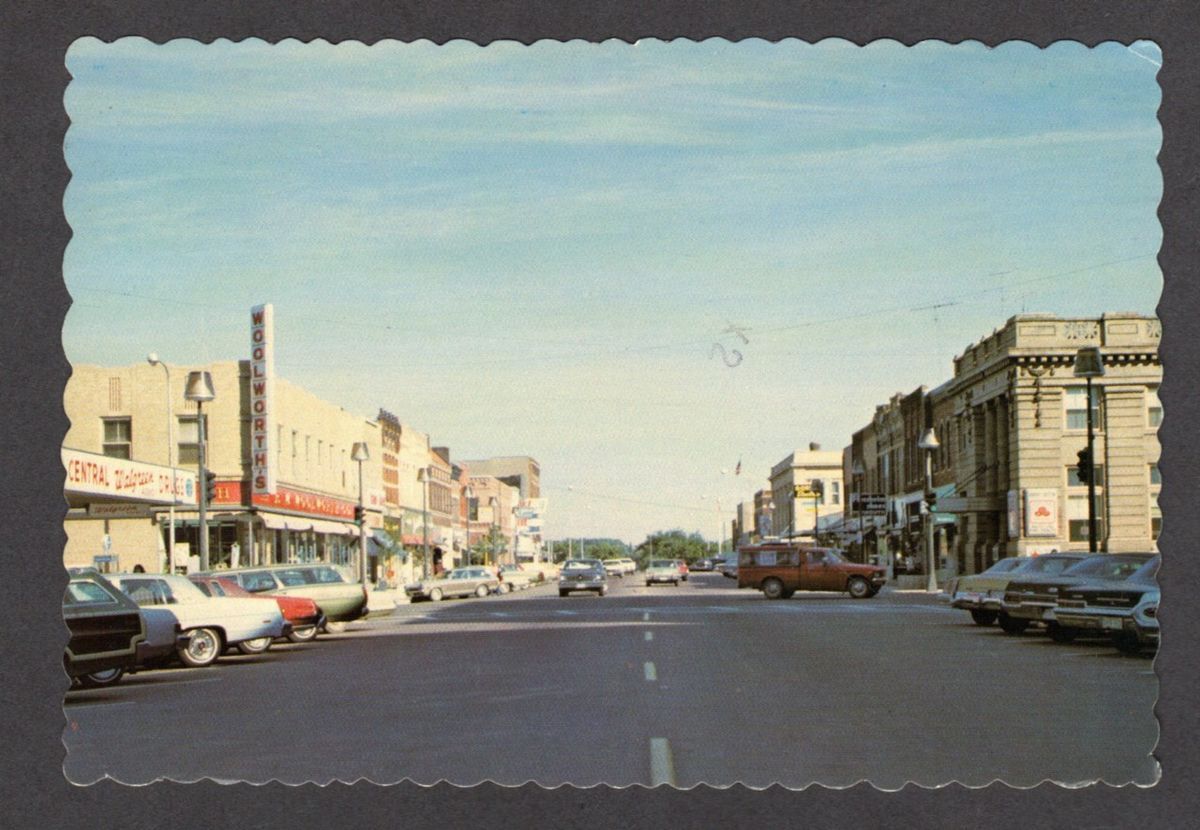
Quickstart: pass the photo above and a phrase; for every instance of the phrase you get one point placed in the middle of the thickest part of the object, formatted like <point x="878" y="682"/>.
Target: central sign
<point x="262" y="403"/>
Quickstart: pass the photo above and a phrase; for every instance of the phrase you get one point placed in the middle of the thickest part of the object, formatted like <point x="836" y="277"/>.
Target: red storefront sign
<point x="284" y="498"/>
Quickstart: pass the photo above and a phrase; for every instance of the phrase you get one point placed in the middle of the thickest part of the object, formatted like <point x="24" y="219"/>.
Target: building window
<point x="1155" y="517"/>
<point x="1153" y="407"/>
<point x="1077" y="517"/>
<point x="836" y="497"/>
<point x="1155" y="475"/>
<point x="1075" y="480"/>
<point x="118" y="437"/>
<point x="1076" y="407"/>
<point x="189" y="440"/>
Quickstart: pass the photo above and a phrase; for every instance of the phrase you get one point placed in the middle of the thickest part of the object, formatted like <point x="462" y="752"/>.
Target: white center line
<point x="662" y="765"/>
<point x="649" y="636"/>
<point x="645" y="616"/>
<point x="651" y="674"/>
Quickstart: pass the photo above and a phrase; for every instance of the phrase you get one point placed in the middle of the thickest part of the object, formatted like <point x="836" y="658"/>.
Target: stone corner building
<point x="1013" y="418"/>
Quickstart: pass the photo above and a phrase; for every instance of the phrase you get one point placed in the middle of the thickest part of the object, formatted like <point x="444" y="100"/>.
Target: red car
<point x="779" y="569"/>
<point x="683" y="569"/>
<point x="303" y="614"/>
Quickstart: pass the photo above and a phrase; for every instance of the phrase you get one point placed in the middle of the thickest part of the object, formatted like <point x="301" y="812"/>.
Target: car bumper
<point x="662" y="578"/>
<point x="1029" y="611"/>
<point x="1110" y="620"/>
<point x="592" y="585"/>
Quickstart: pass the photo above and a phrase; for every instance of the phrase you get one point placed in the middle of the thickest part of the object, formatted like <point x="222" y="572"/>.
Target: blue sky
<point x="532" y="250"/>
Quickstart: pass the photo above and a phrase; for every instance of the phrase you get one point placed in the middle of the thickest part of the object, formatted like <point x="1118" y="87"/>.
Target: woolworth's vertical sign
<point x="262" y="416"/>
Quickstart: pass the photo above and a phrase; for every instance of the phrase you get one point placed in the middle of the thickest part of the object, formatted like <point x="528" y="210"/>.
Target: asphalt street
<point x="700" y="683"/>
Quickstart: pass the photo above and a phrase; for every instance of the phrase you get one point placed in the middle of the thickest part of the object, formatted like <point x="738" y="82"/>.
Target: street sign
<point x="803" y="491"/>
<point x="869" y="504"/>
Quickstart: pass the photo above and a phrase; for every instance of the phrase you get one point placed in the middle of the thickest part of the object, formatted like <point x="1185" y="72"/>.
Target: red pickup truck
<point x="779" y="569"/>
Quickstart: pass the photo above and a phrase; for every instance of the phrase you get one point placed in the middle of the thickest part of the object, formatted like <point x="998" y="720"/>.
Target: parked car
<point x="339" y="600"/>
<point x="614" y="567"/>
<point x="703" y="564"/>
<point x="983" y="593"/>
<point x="105" y="629"/>
<point x="211" y="623"/>
<point x="302" y="613"/>
<point x="779" y="569"/>
<point x="460" y="582"/>
<point x="729" y="567"/>
<point x="514" y="578"/>
<point x="1033" y="599"/>
<point x="583" y="575"/>
<point x="1126" y="610"/>
<point x="662" y="570"/>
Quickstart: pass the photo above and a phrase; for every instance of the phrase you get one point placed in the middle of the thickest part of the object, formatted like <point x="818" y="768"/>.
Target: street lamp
<point x="468" y="495"/>
<point x="494" y="504"/>
<point x="199" y="389"/>
<point x="857" y="472"/>
<point x="1089" y="363"/>
<point x="360" y="454"/>
<point x="153" y="360"/>
<point x="929" y="442"/>
<point x="423" y="477"/>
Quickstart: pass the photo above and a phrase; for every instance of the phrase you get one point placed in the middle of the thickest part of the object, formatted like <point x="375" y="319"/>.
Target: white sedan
<point x="211" y="624"/>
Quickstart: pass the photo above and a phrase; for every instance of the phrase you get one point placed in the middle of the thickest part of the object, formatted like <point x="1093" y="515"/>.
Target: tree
<point x="490" y="548"/>
<point x="672" y="544"/>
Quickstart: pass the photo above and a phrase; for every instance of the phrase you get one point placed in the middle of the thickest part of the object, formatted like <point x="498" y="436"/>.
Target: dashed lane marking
<point x="662" y="765"/>
<point x="645" y="616"/>
<point x="649" y="636"/>
<point x="651" y="674"/>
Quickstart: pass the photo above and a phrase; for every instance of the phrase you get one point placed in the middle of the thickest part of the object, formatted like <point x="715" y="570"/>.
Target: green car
<point x="340" y="601"/>
<point x="983" y="593"/>
<point x="663" y="570"/>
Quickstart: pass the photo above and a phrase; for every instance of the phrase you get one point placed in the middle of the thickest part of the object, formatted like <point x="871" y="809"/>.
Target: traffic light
<point x="359" y="513"/>
<point x="818" y="488"/>
<point x="1085" y="465"/>
<point x="210" y="486"/>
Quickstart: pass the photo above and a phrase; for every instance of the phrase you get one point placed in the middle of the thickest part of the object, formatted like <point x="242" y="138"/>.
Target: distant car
<point x="982" y="594"/>
<point x="302" y="613"/>
<point x="460" y="582"/>
<point x="1033" y="599"/>
<point x="211" y="623"/>
<point x="729" y="568"/>
<point x="662" y="570"/>
<point x="583" y="575"/>
<point x="614" y="567"/>
<point x="1126" y="610"/>
<point x="514" y="578"/>
<point x="105" y="627"/>
<point x="339" y="599"/>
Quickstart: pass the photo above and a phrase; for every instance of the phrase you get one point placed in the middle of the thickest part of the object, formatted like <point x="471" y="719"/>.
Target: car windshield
<point x="1106" y="566"/>
<point x="662" y="563"/>
<point x="1006" y="565"/>
<point x="581" y="565"/>
<point x="1148" y="572"/>
<point x="1049" y="564"/>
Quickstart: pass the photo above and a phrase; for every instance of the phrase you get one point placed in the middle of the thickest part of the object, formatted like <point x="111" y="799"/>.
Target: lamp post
<point x="494" y="503"/>
<point x="200" y="390"/>
<point x="929" y="442"/>
<point x="153" y="360"/>
<point x="360" y="454"/>
<point x="423" y="477"/>
<point x="856" y="474"/>
<point x="1089" y="363"/>
<point x="468" y="495"/>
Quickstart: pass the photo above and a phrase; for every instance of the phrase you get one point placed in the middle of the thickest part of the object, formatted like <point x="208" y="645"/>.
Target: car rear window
<point x="87" y="593"/>
<point x="258" y="581"/>
<point x="326" y="574"/>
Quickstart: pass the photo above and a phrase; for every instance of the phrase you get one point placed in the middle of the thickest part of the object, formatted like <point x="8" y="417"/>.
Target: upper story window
<point x="1155" y="475"/>
<point x="836" y="493"/>
<point x="118" y="437"/>
<point x="1076" y="407"/>
<point x="1075" y="480"/>
<point x="1153" y="407"/>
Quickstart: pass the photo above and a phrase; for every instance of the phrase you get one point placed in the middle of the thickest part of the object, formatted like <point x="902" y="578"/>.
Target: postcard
<point x="655" y="413"/>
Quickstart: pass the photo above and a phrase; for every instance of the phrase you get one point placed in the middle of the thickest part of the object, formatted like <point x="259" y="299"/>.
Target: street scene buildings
<point x="660" y="414"/>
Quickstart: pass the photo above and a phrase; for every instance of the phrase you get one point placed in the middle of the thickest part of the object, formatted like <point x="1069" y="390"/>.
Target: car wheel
<point x="435" y="595"/>
<point x="772" y="589"/>
<point x="503" y="589"/>
<point x="335" y="627"/>
<point x="257" y="646"/>
<point x="202" y="649"/>
<point x="563" y="593"/>
<point x="303" y="634"/>
<point x="982" y="616"/>
<point x="1010" y="625"/>
<point x="481" y="591"/>
<point x="603" y="590"/>
<point x="858" y="588"/>
<point x="1060" y="633"/>
<point x="100" y="679"/>
<point x="648" y="583"/>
